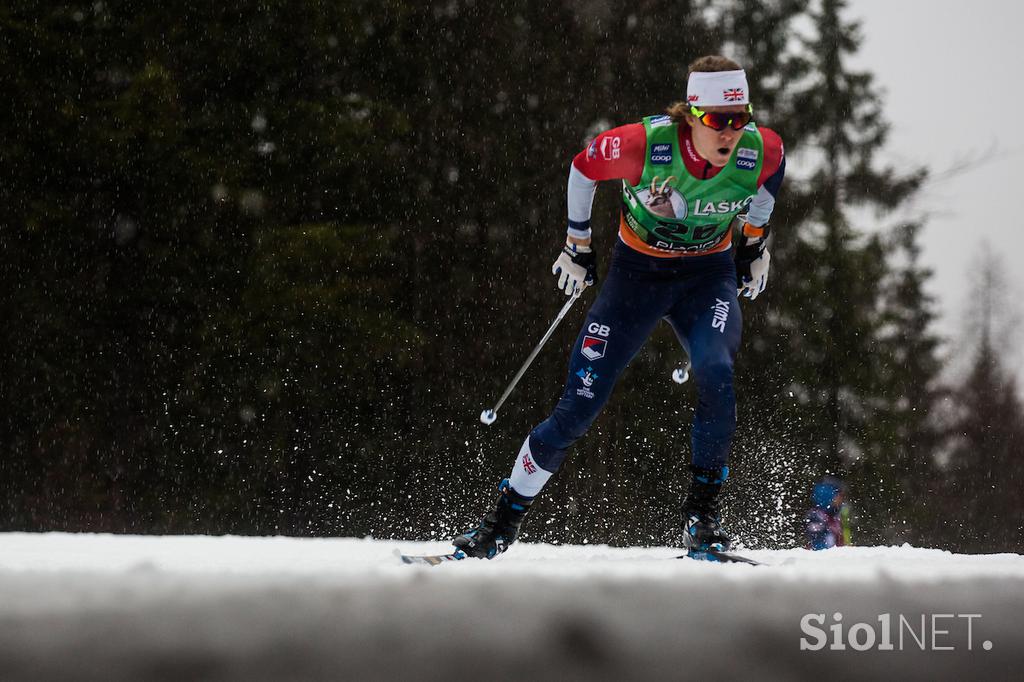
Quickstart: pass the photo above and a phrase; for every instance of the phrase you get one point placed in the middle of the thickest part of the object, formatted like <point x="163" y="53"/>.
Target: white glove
<point x="755" y="281"/>
<point x="752" y="257"/>
<point x="575" y="268"/>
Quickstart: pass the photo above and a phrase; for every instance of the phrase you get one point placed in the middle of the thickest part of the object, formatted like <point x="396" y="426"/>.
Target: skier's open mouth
<point x="723" y="151"/>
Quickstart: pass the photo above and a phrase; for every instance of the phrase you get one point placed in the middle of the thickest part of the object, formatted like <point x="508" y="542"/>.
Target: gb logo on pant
<point x="593" y="347"/>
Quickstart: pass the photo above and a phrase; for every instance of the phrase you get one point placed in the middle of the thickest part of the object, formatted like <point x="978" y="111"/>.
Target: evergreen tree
<point x="825" y="336"/>
<point x="907" y="370"/>
<point x="152" y="150"/>
<point x="980" y="477"/>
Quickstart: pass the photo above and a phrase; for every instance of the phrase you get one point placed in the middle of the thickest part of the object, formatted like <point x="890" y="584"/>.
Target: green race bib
<point x="673" y="211"/>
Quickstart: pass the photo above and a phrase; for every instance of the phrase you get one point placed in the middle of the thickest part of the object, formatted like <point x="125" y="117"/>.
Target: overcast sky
<point x="950" y="73"/>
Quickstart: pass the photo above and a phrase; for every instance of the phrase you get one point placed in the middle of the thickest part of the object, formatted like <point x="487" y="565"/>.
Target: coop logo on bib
<point x="593" y="347"/>
<point x="661" y="153"/>
<point x="746" y="158"/>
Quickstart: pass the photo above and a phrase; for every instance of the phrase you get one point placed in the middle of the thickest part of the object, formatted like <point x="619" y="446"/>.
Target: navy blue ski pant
<point x="697" y="296"/>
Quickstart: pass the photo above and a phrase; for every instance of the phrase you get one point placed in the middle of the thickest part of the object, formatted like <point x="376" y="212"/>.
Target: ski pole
<point x="489" y="416"/>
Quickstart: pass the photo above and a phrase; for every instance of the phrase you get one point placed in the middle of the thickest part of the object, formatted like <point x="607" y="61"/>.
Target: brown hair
<point x="707" y="63"/>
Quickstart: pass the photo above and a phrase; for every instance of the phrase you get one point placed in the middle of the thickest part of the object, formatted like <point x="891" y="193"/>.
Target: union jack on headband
<point x="733" y="94"/>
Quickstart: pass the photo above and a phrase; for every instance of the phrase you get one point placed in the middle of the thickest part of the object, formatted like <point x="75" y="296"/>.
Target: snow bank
<point x="132" y="607"/>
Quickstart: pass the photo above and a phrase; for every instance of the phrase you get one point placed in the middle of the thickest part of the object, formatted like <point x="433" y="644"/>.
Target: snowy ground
<point x="187" y="608"/>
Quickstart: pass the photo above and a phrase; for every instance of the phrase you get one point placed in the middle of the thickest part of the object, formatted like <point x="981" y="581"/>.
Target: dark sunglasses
<point x="720" y="119"/>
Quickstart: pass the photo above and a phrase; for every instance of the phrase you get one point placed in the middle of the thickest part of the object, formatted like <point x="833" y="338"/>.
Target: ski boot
<point x="499" y="528"/>
<point x="703" y="535"/>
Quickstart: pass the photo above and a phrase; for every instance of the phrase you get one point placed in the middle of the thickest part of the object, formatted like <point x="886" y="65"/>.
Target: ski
<point x="722" y="557"/>
<point x="709" y="555"/>
<point x="431" y="559"/>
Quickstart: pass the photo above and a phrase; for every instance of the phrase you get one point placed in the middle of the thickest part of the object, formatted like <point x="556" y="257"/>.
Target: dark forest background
<point x="262" y="264"/>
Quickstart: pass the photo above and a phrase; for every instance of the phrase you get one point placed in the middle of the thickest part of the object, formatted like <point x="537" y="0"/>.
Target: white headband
<point x="717" y="88"/>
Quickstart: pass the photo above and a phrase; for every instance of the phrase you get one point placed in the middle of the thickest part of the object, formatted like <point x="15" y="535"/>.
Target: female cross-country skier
<point x="690" y="180"/>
